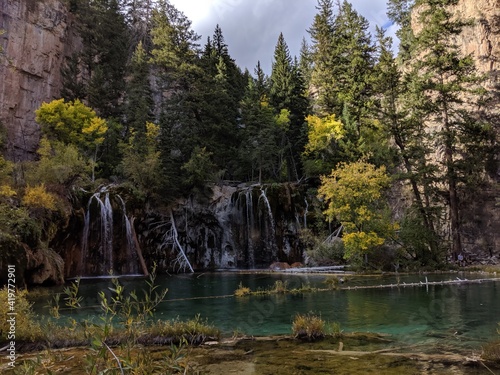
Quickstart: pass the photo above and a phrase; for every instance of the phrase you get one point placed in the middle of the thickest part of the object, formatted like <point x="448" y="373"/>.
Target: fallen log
<point x="420" y="284"/>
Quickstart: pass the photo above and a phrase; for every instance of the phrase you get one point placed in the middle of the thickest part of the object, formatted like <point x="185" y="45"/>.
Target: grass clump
<point x="26" y="327"/>
<point x="242" y="291"/>
<point x="193" y="331"/>
<point x="334" y="282"/>
<point x="279" y="287"/>
<point x="309" y="327"/>
<point x="491" y="351"/>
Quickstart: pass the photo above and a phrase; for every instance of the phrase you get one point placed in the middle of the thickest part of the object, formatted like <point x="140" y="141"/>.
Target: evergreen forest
<point x="391" y="147"/>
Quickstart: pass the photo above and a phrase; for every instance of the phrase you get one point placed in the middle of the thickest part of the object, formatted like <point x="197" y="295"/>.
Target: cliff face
<point x="38" y="38"/>
<point x="479" y="209"/>
<point x="483" y="38"/>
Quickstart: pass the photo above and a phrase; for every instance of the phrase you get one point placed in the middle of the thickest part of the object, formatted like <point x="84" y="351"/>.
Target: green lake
<point x="440" y="317"/>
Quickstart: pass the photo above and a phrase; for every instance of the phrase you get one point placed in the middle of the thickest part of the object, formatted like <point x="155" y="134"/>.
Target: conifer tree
<point x="343" y="59"/>
<point x="439" y="112"/>
<point x="259" y="151"/>
<point x="322" y="81"/>
<point x="287" y="92"/>
<point x="104" y="56"/>
<point x="403" y="125"/>
<point x="139" y="105"/>
<point x="305" y="63"/>
<point x="175" y="55"/>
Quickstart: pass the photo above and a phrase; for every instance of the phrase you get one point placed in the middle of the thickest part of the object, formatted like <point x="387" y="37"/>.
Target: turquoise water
<point x="442" y="316"/>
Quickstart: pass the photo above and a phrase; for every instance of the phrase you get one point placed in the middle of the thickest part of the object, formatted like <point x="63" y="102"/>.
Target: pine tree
<point x="287" y="92"/>
<point x="343" y="59"/>
<point x="305" y="63"/>
<point x="446" y="85"/>
<point x="407" y="135"/>
<point x="322" y="81"/>
<point x="260" y="150"/>
<point x="138" y="17"/>
<point x="175" y="56"/>
<point x="73" y="85"/>
<point x="104" y="56"/>
<point x="139" y="104"/>
<point x="352" y="62"/>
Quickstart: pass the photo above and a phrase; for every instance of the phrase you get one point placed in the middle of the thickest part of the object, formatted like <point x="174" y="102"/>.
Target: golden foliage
<point x="6" y="191"/>
<point x="39" y="197"/>
<point x="26" y="328"/>
<point x="72" y="123"/>
<point x="353" y="193"/>
<point x="322" y="131"/>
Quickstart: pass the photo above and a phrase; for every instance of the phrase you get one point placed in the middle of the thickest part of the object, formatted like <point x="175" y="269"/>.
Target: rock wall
<point x="483" y="38"/>
<point x="39" y="35"/>
<point x="479" y="210"/>
<point x="237" y="227"/>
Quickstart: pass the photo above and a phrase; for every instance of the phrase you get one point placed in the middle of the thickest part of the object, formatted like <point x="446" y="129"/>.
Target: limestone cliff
<point x="483" y="38"/>
<point x="39" y="35"/>
<point x="479" y="210"/>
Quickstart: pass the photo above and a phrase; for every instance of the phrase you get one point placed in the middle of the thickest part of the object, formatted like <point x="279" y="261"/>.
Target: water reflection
<point x="451" y="316"/>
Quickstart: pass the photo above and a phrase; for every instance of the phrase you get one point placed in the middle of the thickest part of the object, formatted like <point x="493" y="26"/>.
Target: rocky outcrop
<point x="39" y="35"/>
<point x="480" y="216"/>
<point x="44" y="267"/>
<point x="482" y="39"/>
<point x="237" y="227"/>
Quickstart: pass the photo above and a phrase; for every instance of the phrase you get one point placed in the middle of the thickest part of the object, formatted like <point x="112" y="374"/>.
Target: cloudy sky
<point x="251" y="27"/>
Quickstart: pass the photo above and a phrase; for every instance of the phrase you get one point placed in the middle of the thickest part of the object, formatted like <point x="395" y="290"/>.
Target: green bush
<point x="324" y="254"/>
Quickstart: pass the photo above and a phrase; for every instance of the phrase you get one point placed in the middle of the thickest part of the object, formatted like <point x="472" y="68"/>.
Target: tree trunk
<point x="456" y="247"/>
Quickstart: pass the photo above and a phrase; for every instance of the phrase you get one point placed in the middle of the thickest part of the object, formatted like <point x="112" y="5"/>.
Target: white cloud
<point x="251" y="27"/>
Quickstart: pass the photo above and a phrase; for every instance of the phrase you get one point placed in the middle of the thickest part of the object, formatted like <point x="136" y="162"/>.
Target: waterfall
<point x="106" y="233"/>
<point x="98" y="253"/>
<point x="131" y="249"/>
<point x="263" y="196"/>
<point x="271" y="237"/>
<point x="250" y="225"/>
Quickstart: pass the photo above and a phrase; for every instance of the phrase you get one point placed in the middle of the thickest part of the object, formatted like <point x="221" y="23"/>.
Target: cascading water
<point x="250" y="225"/>
<point x="241" y="227"/>
<point x="106" y="235"/>
<point x="268" y="225"/>
<point x="101" y="252"/>
<point x="131" y="248"/>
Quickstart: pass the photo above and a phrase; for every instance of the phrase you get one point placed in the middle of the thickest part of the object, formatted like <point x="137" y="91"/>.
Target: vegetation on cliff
<point x="146" y="106"/>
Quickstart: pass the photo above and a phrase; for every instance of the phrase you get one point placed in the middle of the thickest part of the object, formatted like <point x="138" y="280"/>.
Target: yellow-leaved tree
<point x="39" y="198"/>
<point x="73" y="123"/>
<point x="323" y="134"/>
<point x="353" y="193"/>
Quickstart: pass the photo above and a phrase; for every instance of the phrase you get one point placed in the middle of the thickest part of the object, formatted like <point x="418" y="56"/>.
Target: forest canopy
<point x="147" y="104"/>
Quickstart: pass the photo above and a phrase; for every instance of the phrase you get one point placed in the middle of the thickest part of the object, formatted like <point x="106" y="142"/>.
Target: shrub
<point x="308" y="327"/>
<point x="324" y="254"/>
<point x="39" y="197"/>
<point x="491" y="352"/>
<point x="26" y="328"/>
<point x="279" y="287"/>
<point x="242" y="291"/>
